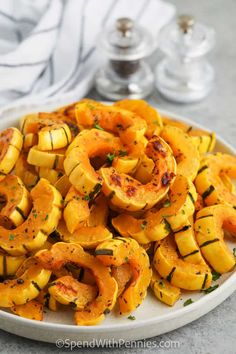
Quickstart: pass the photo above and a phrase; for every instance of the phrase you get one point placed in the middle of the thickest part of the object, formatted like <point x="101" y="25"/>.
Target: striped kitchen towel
<point x="48" y="47"/>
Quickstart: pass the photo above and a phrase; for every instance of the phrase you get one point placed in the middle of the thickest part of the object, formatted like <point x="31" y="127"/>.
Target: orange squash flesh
<point x="129" y="194"/>
<point x="41" y="221"/>
<point x="209" y="183"/>
<point x="122" y="275"/>
<point x="129" y="126"/>
<point x="119" y="251"/>
<point x="17" y="199"/>
<point x="69" y="291"/>
<point x="86" y="236"/>
<point x="145" y="111"/>
<point x="32" y="310"/>
<point x="62" y="253"/>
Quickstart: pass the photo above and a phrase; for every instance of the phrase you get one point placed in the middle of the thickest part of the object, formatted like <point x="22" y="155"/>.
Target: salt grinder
<point x="125" y="74"/>
<point x="184" y="75"/>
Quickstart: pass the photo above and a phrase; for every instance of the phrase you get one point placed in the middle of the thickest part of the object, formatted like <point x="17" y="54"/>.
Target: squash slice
<point x="98" y="212"/>
<point x="163" y="290"/>
<point x="9" y="264"/>
<point x="145" y="111"/>
<point x="76" y="210"/>
<point x="209" y="227"/>
<point x="31" y="278"/>
<point x="119" y="251"/>
<point x="209" y="182"/>
<point x="55" y="137"/>
<point x="144" y="170"/>
<point x="17" y="199"/>
<point x="185" y="152"/>
<point x="87" y="237"/>
<point x="26" y="172"/>
<point x="123" y="275"/>
<point x="157" y="224"/>
<point x="11" y="142"/>
<point x="187" y="244"/>
<point x="127" y="193"/>
<point x="69" y="291"/>
<point x="204" y="141"/>
<point x="32" y="310"/>
<point x="62" y="253"/>
<point x="49" y="159"/>
<point x="29" y="140"/>
<point x="129" y="126"/>
<point x="41" y="221"/>
<point x="179" y="273"/>
<point x="48" y="173"/>
<point x="63" y="185"/>
<point x="88" y="144"/>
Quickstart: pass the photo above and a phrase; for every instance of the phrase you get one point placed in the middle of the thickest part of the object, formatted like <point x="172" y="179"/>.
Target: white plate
<point x="152" y="317"/>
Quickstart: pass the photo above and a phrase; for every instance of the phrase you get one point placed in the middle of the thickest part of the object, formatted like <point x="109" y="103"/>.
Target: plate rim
<point x="222" y="292"/>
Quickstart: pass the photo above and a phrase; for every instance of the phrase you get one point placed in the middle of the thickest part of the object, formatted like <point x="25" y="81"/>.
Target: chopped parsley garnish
<point x="86" y="197"/>
<point x="97" y="126"/>
<point x="215" y="275"/>
<point x="188" y="302"/>
<point x="123" y="153"/>
<point x="234" y="252"/>
<point x="46" y="217"/>
<point x="166" y="203"/>
<point x="126" y="259"/>
<point x="131" y="318"/>
<point x="110" y="158"/>
<point x="210" y="289"/>
<point x="11" y="237"/>
<point x="162" y="285"/>
<point x="144" y="225"/>
<point x="35" y="215"/>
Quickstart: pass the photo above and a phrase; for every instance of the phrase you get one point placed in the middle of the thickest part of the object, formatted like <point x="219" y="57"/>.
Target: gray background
<point x="216" y="331"/>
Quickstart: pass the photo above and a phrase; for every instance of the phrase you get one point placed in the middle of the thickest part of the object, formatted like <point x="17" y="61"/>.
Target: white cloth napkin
<point x="48" y="47"/>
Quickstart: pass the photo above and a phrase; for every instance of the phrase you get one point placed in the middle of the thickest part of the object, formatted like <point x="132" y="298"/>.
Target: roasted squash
<point x="42" y="220"/>
<point x="54" y="137"/>
<point x="63" y="185"/>
<point x="123" y="275"/>
<point x="163" y="290"/>
<point x="185" y="152"/>
<point x="11" y="142"/>
<point x="129" y="126"/>
<point x="144" y="170"/>
<point x="49" y="159"/>
<point x="187" y="244"/>
<point x="145" y="111"/>
<point x="9" y="264"/>
<point x="29" y="140"/>
<point x="17" y="201"/>
<point x="179" y="273"/>
<point x="85" y="146"/>
<point x="26" y="172"/>
<point x="69" y="291"/>
<point x="26" y="287"/>
<point x="87" y="237"/>
<point x="209" y="226"/>
<point x="209" y="183"/>
<point x="98" y="212"/>
<point x="158" y="223"/>
<point x="50" y="174"/>
<point x="204" y="141"/>
<point x="32" y="310"/>
<point x="76" y="210"/>
<point x="119" y="251"/>
<point x="127" y="193"/>
<point x="62" y="253"/>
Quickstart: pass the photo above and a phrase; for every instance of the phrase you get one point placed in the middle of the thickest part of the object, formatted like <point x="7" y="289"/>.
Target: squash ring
<point x="119" y="251"/>
<point x="11" y="142"/>
<point x="41" y="221"/>
<point x="62" y="253"/>
<point x="127" y="193"/>
<point x="209" y="183"/>
<point x="179" y="273"/>
<point x="185" y="152"/>
<point x="18" y="201"/>
<point x="209" y="234"/>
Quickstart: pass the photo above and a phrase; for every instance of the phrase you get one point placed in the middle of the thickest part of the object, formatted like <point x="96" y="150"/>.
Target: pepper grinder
<point x="184" y="75"/>
<point x="125" y="74"/>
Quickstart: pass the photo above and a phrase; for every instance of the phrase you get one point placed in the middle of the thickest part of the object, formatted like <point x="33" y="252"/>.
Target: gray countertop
<point x="216" y="331"/>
